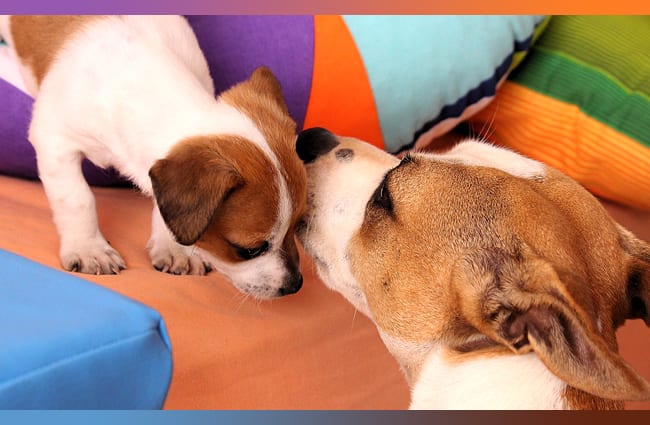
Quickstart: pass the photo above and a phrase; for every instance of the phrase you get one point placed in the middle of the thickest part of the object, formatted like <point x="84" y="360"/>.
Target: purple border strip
<point x="303" y="7"/>
<point x="188" y="7"/>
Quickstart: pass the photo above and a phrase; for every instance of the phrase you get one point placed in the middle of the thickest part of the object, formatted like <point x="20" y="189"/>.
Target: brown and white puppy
<point x="135" y="93"/>
<point x="496" y="281"/>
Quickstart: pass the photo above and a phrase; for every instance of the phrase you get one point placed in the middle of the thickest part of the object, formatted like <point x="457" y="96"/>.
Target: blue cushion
<point x="66" y="343"/>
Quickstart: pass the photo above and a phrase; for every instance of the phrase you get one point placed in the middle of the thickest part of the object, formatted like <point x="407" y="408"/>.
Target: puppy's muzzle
<point x="314" y="142"/>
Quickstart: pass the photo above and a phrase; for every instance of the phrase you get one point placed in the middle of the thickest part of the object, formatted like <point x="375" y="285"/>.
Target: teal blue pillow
<point x="428" y="73"/>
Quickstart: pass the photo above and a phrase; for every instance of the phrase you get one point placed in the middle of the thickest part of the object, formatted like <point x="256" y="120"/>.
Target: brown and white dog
<point x="495" y="281"/>
<point x="135" y="93"/>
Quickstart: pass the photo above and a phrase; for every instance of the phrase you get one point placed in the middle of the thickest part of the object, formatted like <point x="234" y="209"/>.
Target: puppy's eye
<point x="381" y="198"/>
<point x="250" y="253"/>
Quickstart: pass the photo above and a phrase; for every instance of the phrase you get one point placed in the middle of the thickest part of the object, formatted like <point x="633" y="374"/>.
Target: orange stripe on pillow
<point x="341" y="99"/>
<point x="606" y="162"/>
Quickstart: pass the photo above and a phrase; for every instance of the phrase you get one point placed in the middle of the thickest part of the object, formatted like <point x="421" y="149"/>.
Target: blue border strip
<point x="320" y="417"/>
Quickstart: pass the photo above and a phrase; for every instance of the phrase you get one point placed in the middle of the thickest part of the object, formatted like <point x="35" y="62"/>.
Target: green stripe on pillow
<point x="617" y="45"/>
<point x="597" y="95"/>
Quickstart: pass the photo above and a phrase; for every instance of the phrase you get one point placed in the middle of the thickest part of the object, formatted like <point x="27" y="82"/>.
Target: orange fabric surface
<point x="305" y="351"/>
<point x="341" y="98"/>
<point x="608" y="163"/>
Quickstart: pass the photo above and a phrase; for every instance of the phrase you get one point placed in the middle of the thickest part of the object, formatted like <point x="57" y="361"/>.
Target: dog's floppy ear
<point x="638" y="275"/>
<point x="518" y="300"/>
<point x="190" y="184"/>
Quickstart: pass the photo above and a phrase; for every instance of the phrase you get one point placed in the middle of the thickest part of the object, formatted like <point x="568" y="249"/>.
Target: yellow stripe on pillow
<point x="562" y="136"/>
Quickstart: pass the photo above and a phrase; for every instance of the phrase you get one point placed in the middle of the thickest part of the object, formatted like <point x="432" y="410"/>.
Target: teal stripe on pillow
<point x="417" y="65"/>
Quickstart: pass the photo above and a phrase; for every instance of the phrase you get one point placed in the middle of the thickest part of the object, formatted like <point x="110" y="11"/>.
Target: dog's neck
<point x="487" y="382"/>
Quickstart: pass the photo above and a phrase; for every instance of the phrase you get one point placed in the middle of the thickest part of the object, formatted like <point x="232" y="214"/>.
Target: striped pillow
<point x="581" y="102"/>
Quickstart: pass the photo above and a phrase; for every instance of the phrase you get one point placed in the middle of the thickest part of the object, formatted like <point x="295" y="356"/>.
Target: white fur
<point x="10" y="67"/>
<point x="147" y="87"/>
<point x="5" y="34"/>
<point x="473" y="152"/>
<point x="339" y="197"/>
<point x="483" y="383"/>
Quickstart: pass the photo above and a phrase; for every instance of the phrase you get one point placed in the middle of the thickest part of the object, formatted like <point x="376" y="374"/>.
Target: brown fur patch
<point x="580" y="400"/>
<point x="442" y="211"/>
<point x="226" y="189"/>
<point x="38" y="38"/>
<point x="260" y="98"/>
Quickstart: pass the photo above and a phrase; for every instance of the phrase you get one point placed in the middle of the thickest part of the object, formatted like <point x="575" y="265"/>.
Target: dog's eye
<point x="250" y="253"/>
<point x="381" y="198"/>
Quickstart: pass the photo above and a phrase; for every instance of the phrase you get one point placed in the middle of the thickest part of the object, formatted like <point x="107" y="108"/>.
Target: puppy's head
<point x="446" y="254"/>
<point x="236" y="199"/>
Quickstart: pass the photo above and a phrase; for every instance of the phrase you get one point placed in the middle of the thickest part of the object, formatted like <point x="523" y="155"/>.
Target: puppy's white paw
<point x="177" y="259"/>
<point x="93" y="258"/>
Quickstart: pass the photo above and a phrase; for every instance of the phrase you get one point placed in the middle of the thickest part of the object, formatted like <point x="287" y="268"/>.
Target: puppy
<point x="495" y="281"/>
<point x="135" y="93"/>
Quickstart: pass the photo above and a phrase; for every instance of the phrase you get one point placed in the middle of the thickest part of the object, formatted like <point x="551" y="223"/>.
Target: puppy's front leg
<point x="169" y="256"/>
<point x="83" y="247"/>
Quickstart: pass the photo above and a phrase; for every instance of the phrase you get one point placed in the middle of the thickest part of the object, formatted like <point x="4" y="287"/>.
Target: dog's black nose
<point x="292" y="285"/>
<point x="314" y="142"/>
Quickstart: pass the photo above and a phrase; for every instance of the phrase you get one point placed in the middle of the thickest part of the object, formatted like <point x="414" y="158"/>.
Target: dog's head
<point x="447" y="254"/>
<point x="238" y="199"/>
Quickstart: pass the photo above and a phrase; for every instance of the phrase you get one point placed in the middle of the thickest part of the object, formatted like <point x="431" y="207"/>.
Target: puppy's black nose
<point x="314" y="142"/>
<point x="292" y="285"/>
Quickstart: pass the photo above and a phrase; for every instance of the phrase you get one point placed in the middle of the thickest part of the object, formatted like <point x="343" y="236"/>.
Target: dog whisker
<point x="244" y="299"/>
<point x="488" y="128"/>
<point x="354" y="316"/>
<point x="258" y="306"/>
<point x="240" y="299"/>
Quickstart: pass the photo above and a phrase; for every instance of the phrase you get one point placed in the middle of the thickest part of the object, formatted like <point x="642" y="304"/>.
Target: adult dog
<point x="495" y="281"/>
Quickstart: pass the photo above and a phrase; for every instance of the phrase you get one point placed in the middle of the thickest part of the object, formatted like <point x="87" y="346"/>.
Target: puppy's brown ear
<point x="266" y="84"/>
<point x="262" y="85"/>
<point x="518" y="300"/>
<point x="638" y="275"/>
<point x="190" y="184"/>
